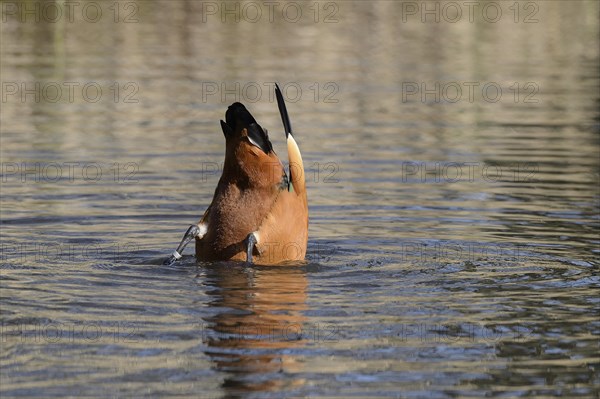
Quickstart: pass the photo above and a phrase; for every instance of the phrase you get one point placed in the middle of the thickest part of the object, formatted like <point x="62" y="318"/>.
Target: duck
<point x="259" y="213"/>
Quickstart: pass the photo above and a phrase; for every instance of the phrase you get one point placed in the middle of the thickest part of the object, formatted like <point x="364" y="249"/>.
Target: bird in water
<point x="258" y="213"/>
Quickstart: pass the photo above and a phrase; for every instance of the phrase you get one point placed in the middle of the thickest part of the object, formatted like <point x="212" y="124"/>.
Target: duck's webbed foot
<point x="192" y="232"/>
<point x="251" y="242"/>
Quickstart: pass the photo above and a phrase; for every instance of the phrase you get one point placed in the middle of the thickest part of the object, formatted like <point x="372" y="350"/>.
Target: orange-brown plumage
<point x="255" y="197"/>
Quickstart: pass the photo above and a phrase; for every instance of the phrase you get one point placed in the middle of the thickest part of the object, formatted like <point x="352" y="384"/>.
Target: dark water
<point x="453" y="247"/>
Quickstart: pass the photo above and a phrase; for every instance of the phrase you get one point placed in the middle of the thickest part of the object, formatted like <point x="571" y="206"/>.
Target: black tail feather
<point x="283" y="111"/>
<point x="260" y="137"/>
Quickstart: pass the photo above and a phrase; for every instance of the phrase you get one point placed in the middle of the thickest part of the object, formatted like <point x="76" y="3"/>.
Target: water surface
<point x="453" y="241"/>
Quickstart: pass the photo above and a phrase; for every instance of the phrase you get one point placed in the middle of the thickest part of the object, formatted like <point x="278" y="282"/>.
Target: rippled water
<point x="453" y="241"/>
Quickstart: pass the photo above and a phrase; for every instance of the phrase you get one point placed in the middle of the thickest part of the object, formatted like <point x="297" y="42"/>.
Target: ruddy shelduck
<point x="257" y="214"/>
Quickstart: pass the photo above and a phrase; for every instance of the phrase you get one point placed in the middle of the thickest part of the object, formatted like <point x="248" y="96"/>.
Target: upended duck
<point x="258" y="214"/>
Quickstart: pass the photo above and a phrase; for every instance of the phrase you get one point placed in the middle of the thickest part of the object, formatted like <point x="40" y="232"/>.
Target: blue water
<point x="453" y="241"/>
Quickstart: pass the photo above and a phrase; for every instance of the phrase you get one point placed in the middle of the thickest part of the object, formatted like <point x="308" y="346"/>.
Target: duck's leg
<point x="250" y="242"/>
<point x="195" y="230"/>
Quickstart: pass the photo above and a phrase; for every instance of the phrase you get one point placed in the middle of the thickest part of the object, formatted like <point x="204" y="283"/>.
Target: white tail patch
<point x="296" y="166"/>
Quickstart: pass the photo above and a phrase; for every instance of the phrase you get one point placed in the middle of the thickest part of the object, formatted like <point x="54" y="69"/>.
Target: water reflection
<point x="396" y="250"/>
<point x="260" y="323"/>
